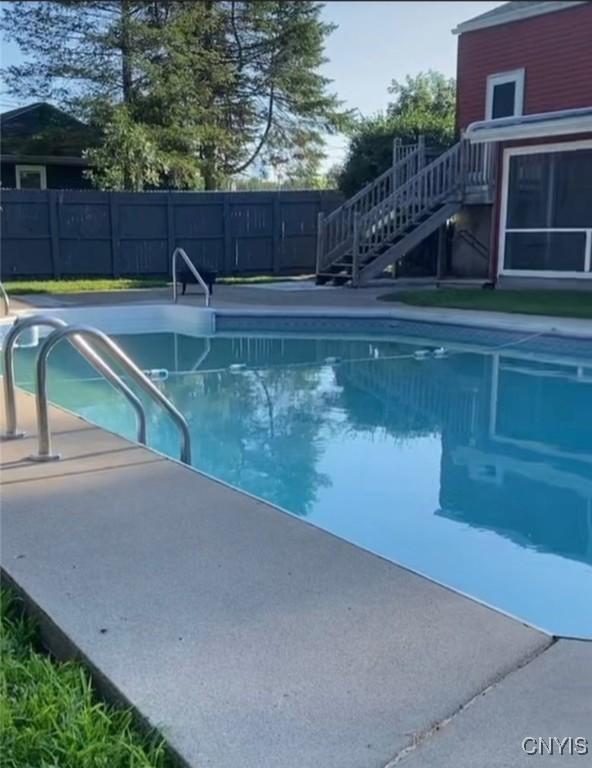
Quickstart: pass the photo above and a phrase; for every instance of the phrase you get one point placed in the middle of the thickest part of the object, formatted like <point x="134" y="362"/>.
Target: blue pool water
<point x="474" y="469"/>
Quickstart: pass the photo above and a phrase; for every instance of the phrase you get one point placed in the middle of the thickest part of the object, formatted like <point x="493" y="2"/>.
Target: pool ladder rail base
<point x="5" y="299"/>
<point x="77" y="335"/>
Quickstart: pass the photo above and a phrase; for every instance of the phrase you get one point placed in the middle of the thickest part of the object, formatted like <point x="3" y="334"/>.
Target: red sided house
<point x="512" y="199"/>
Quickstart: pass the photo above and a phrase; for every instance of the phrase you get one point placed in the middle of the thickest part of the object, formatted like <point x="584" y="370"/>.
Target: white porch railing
<point x="444" y="179"/>
<point x="398" y="198"/>
<point x="335" y="231"/>
<point x="478" y="164"/>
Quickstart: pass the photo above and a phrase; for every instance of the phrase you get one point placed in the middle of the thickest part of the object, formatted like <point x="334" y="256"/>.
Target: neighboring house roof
<point x="513" y="11"/>
<point x="41" y="129"/>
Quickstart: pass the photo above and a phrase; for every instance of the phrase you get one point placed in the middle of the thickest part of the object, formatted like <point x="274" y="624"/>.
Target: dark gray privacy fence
<point x="58" y="233"/>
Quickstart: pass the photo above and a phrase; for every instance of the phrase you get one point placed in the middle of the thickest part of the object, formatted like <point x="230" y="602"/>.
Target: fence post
<point x="320" y="241"/>
<point x="227" y="263"/>
<point x="276" y="235"/>
<point x="115" y="245"/>
<point x="170" y="229"/>
<point x="54" y="234"/>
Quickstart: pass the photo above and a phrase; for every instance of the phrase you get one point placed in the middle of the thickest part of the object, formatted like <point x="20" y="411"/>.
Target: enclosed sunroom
<point x="544" y="202"/>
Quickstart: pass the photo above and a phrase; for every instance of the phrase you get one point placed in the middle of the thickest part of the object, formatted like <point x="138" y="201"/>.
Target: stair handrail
<point x="447" y="176"/>
<point x="448" y="182"/>
<point x="112" y="349"/>
<point x="432" y="184"/>
<point x="335" y="230"/>
<point x="194" y="271"/>
<point x="351" y="201"/>
<point x="458" y="163"/>
<point x="403" y="156"/>
<point x="97" y="362"/>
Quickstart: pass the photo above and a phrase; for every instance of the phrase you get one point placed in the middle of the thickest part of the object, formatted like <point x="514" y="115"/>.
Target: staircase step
<point x="341" y="279"/>
<point x="328" y="276"/>
<point x="390" y="249"/>
<point x="335" y="268"/>
<point x="390" y="213"/>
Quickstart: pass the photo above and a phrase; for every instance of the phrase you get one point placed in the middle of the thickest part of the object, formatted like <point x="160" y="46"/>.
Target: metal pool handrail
<point x="192" y="268"/>
<point x="108" y="346"/>
<point x="85" y="350"/>
<point x="5" y="300"/>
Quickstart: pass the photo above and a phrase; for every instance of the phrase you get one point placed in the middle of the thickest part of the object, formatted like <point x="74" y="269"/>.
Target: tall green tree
<point x="266" y="96"/>
<point x="210" y="86"/>
<point x="424" y="104"/>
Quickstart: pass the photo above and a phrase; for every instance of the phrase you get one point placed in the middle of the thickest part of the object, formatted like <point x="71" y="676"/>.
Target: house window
<point x="31" y="177"/>
<point x="547" y="211"/>
<point x="505" y="95"/>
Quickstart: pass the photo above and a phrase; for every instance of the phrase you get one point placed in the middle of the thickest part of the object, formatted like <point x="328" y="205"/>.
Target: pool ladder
<point x="77" y="335"/>
<point x="5" y="300"/>
<point x="194" y="271"/>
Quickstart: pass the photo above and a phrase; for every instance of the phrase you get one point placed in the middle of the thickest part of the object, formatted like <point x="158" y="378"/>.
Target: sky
<point x="374" y="42"/>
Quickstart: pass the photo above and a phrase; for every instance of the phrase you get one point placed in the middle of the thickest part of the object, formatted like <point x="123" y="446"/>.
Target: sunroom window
<point x="548" y="225"/>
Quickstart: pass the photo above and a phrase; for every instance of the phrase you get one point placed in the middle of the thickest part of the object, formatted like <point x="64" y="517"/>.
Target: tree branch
<point x="236" y="35"/>
<point x="262" y="140"/>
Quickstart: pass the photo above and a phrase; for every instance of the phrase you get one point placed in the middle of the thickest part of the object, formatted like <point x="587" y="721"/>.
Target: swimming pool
<point x="472" y="466"/>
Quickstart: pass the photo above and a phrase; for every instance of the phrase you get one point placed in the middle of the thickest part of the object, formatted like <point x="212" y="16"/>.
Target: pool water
<point x="474" y="469"/>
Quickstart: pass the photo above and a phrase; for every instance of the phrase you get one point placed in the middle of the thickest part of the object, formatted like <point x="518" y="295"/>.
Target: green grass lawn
<point x="530" y="302"/>
<point x="80" y="285"/>
<point x="90" y="284"/>
<point x="49" y="714"/>
<point x="254" y="279"/>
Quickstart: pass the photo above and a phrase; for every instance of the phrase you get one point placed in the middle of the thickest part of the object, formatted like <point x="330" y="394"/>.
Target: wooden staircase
<point x="396" y="212"/>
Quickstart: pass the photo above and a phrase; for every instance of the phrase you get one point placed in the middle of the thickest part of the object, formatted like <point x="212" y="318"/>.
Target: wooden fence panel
<point x="59" y="233"/>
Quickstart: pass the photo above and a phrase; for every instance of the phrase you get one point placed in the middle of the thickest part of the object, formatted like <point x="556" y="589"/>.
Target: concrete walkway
<point x="297" y="297"/>
<point x="550" y="696"/>
<point x="253" y="639"/>
<point x="270" y="295"/>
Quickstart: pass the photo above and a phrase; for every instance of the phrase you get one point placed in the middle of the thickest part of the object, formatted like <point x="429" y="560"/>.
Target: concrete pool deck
<point x="253" y="639"/>
<point x="300" y="298"/>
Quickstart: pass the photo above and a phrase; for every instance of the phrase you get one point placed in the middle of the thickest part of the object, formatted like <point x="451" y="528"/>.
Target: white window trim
<point x="41" y="169"/>
<point x="536" y="149"/>
<point x="500" y="78"/>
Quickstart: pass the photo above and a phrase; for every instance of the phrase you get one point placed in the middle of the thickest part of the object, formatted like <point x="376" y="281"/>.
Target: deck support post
<point x="441" y="263"/>
<point x="356" y="252"/>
